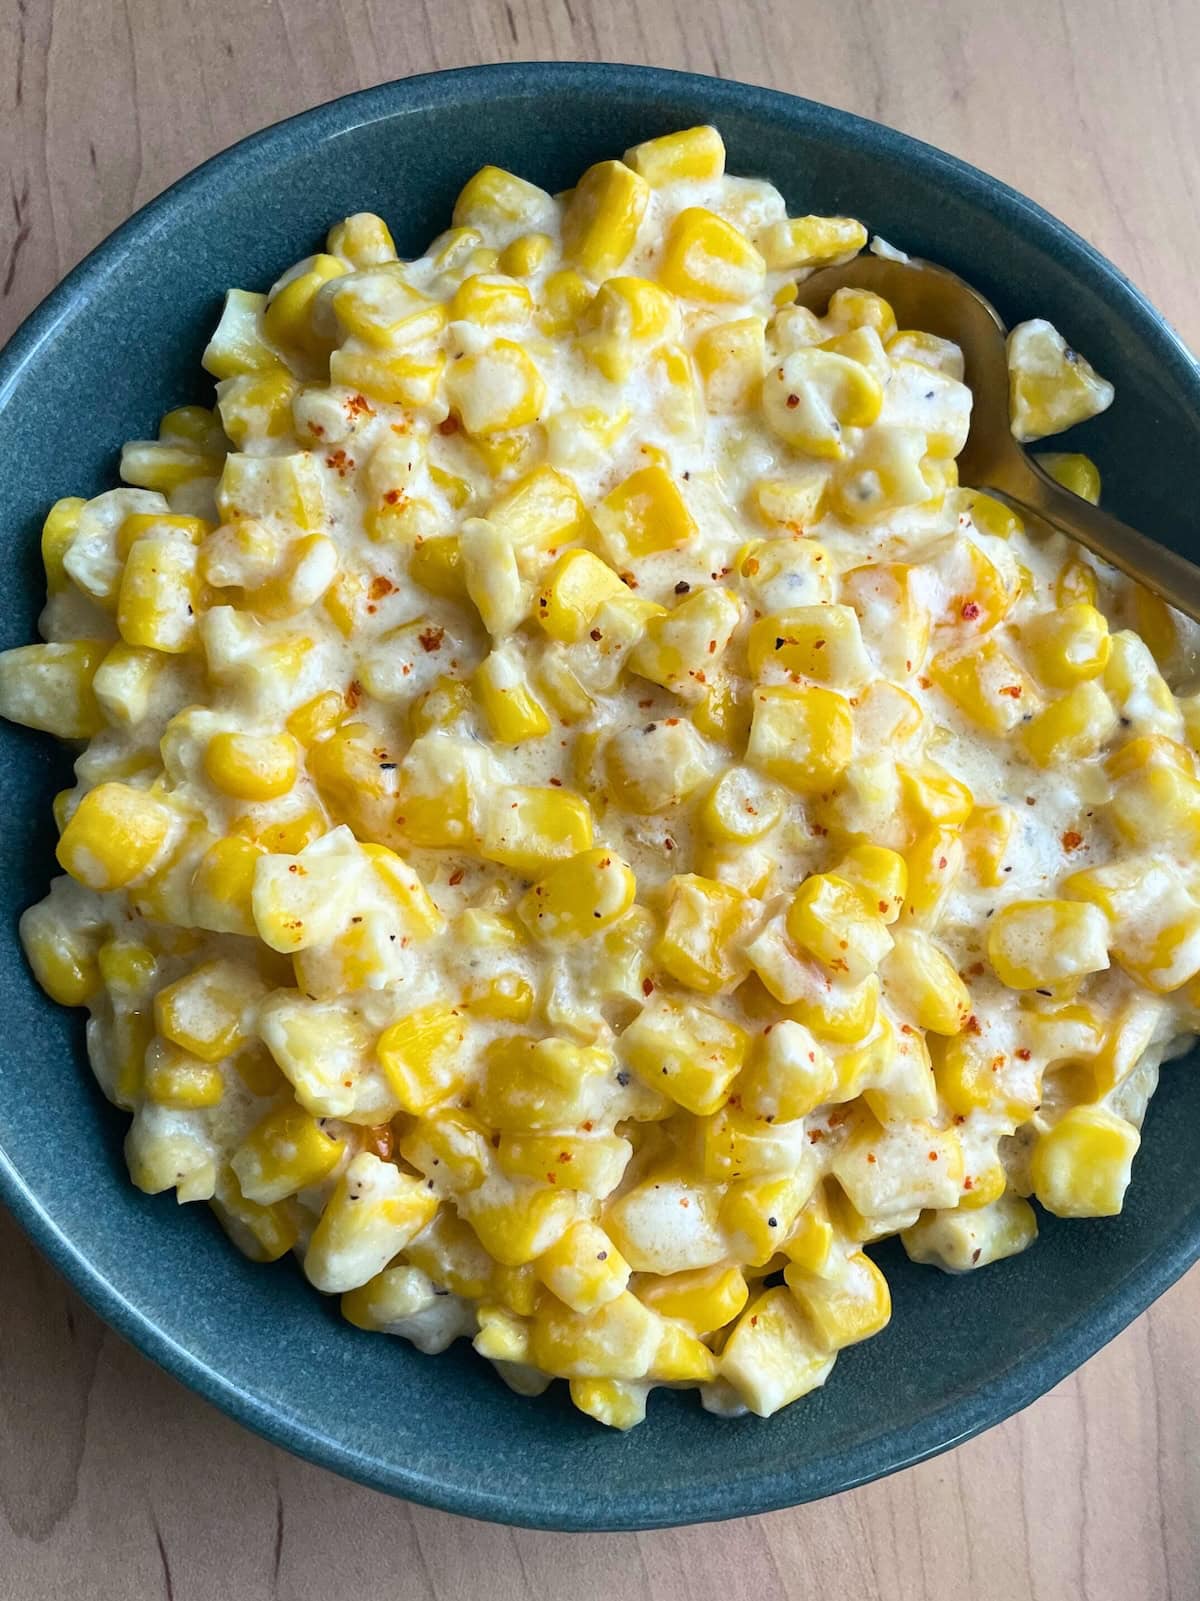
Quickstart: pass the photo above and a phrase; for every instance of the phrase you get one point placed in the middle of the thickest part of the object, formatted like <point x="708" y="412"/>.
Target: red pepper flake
<point x="380" y="587"/>
<point x="792" y="402"/>
<point x="925" y="683"/>
<point x="596" y="635"/>
<point x="871" y="1157"/>
<point x="883" y="906"/>
<point x="357" y="406"/>
<point x="457" y="876"/>
<point x="448" y="427"/>
<point x="551" y="1178"/>
<point x="968" y="1183"/>
<point x="977" y="970"/>
<point x="933" y="1156"/>
<point x="354" y="692"/>
<point x="972" y="1025"/>
<point x="340" y="462"/>
<point x="976" y="1254"/>
<point x="1030" y="800"/>
<point x="816" y="1135"/>
<point x="430" y="639"/>
<point x="647" y="986"/>
<point x="556" y="783"/>
<point x="1013" y="691"/>
<point x="970" y="611"/>
<point x="395" y="497"/>
<point x="1023" y="1055"/>
<point x="1071" y="841"/>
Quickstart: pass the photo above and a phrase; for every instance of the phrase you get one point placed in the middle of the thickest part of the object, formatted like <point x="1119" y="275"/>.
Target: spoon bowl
<point x="934" y="299"/>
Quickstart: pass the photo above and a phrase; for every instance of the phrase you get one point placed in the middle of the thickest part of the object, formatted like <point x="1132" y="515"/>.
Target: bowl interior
<point x="119" y="344"/>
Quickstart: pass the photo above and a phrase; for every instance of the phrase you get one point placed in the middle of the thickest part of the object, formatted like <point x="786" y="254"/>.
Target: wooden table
<point x="117" y="1483"/>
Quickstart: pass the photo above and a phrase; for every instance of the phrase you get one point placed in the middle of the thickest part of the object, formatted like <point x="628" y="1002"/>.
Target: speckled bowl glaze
<point x="119" y="343"/>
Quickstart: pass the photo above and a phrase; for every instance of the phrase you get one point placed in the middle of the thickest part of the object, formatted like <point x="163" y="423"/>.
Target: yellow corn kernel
<point x="924" y="983"/>
<point x="700" y="942"/>
<point x="644" y="514"/>
<point x="441" y="706"/>
<point x="358" y="785"/>
<point x="180" y="1160"/>
<point x="692" y="153"/>
<point x="810" y="241"/>
<point x="740" y="808"/>
<point x="192" y="425"/>
<point x="651" y="769"/>
<point x="821" y="642"/>
<point x="893" y="615"/>
<point x="967" y="1068"/>
<point x="529" y="828"/>
<point x="159" y="594"/>
<point x="254" y="767"/>
<point x="408" y="377"/>
<point x="626" y="319"/>
<point x="986" y="684"/>
<point x="789" y="503"/>
<point x="934" y="796"/>
<point x="592" y="1163"/>
<point x="1050" y="387"/>
<point x="165" y="467"/>
<point x="757" y="1213"/>
<point x="495" y="199"/>
<point x="706" y="258"/>
<point x="540" y="511"/>
<point x="222" y="885"/>
<point x="209" y="1012"/>
<point x="498" y="389"/>
<point x="316" y="718"/>
<point x="451" y="1147"/>
<point x="935" y="861"/>
<point x="602" y="217"/>
<point x="364" y="240"/>
<point x="964" y="1239"/>
<point x="927" y="350"/>
<point x="115" y="836"/>
<point x="802" y="736"/>
<point x="384" y="311"/>
<point x="1068" y="645"/>
<point x="173" y="1077"/>
<point x="680" y="648"/>
<point x="489" y="299"/>
<point x="521" y="1229"/>
<point x="703" y="1299"/>
<point x="880" y="875"/>
<point x="237" y="346"/>
<point x="985" y="838"/>
<point x="526" y="254"/>
<point x="616" y="1404"/>
<point x="374" y="1212"/>
<point x="1037" y="944"/>
<point x="1138" y="689"/>
<point x="58" y="530"/>
<point x="263" y="1233"/>
<point x="583" y="1268"/>
<point x="1155" y="922"/>
<point x="1076" y="584"/>
<point x="772" y="1357"/>
<point x="789" y="1075"/>
<point x="617" y="1341"/>
<point x="578" y="585"/>
<point x="686" y="1052"/>
<point x="51" y="687"/>
<point x="285" y="836"/>
<point x="1081" y="1166"/>
<point x="257" y="406"/>
<point x="62" y="955"/>
<point x="813" y="396"/>
<point x="579" y="897"/>
<point x="436" y="564"/>
<point x="829" y="918"/>
<point x="812" y="1235"/>
<point x="724" y="714"/>
<point x="844" y="1307"/>
<point x="732" y="358"/>
<point x="421" y="1057"/>
<point x="288" y="320"/>
<point x="1073" y="471"/>
<point x="565" y="295"/>
<point x="124" y="681"/>
<point x="390" y="1301"/>
<point x="1072" y="728"/>
<point x="1158" y="807"/>
<point x="512" y="712"/>
<point x="286" y="1152"/>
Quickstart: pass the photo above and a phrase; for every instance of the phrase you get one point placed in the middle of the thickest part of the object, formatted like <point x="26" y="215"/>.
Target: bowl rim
<point x="1031" y="1372"/>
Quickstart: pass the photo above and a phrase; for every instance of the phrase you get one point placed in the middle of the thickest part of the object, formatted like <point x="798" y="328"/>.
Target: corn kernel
<point x="374" y="1212"/>
<point x="845" y="1307"/>
<point x="115" y="837"/>
<point x="513" y="714"/>
<point x="495" y="199"/>
<point x="802" y="736"/>
<point x="706" y="258"/>
<point x="530" y="828"/>
<point x="52" y="687"/>
<point x="263" y="1233"/>
<point x="1037" y="944"/>
<point x="690" y="154"/>
<point x="583" y="1268"/>
<point x="420" y="1055"/>
<point x="644" y="514"/>
<point x="1051" y="387"/>
<point x="1072" y="728"/>
<point x="173" y="1077"/>
<point x="686" y="1052"/>
<point x="602" y="217"/>
<point x="1081" y="1166"/>
<point x="286" y="1152"/>
<point x="772" y="1357"/>
<point x="579" y="897"/>
<point x="829" y="918"/>
<point x="823" y="643"/>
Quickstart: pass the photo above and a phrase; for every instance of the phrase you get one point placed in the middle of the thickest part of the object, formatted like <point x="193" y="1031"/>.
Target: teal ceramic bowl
<point x="119" y="343"/>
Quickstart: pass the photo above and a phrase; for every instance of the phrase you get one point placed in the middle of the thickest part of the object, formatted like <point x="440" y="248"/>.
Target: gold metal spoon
<point x="938" y="301"/>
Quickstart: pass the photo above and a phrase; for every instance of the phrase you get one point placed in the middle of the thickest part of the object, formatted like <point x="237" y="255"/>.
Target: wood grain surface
<point x="117" y="1483"/>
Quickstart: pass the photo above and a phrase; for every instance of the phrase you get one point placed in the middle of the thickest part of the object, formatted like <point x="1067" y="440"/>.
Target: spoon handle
<point x="1168" y="574"/>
